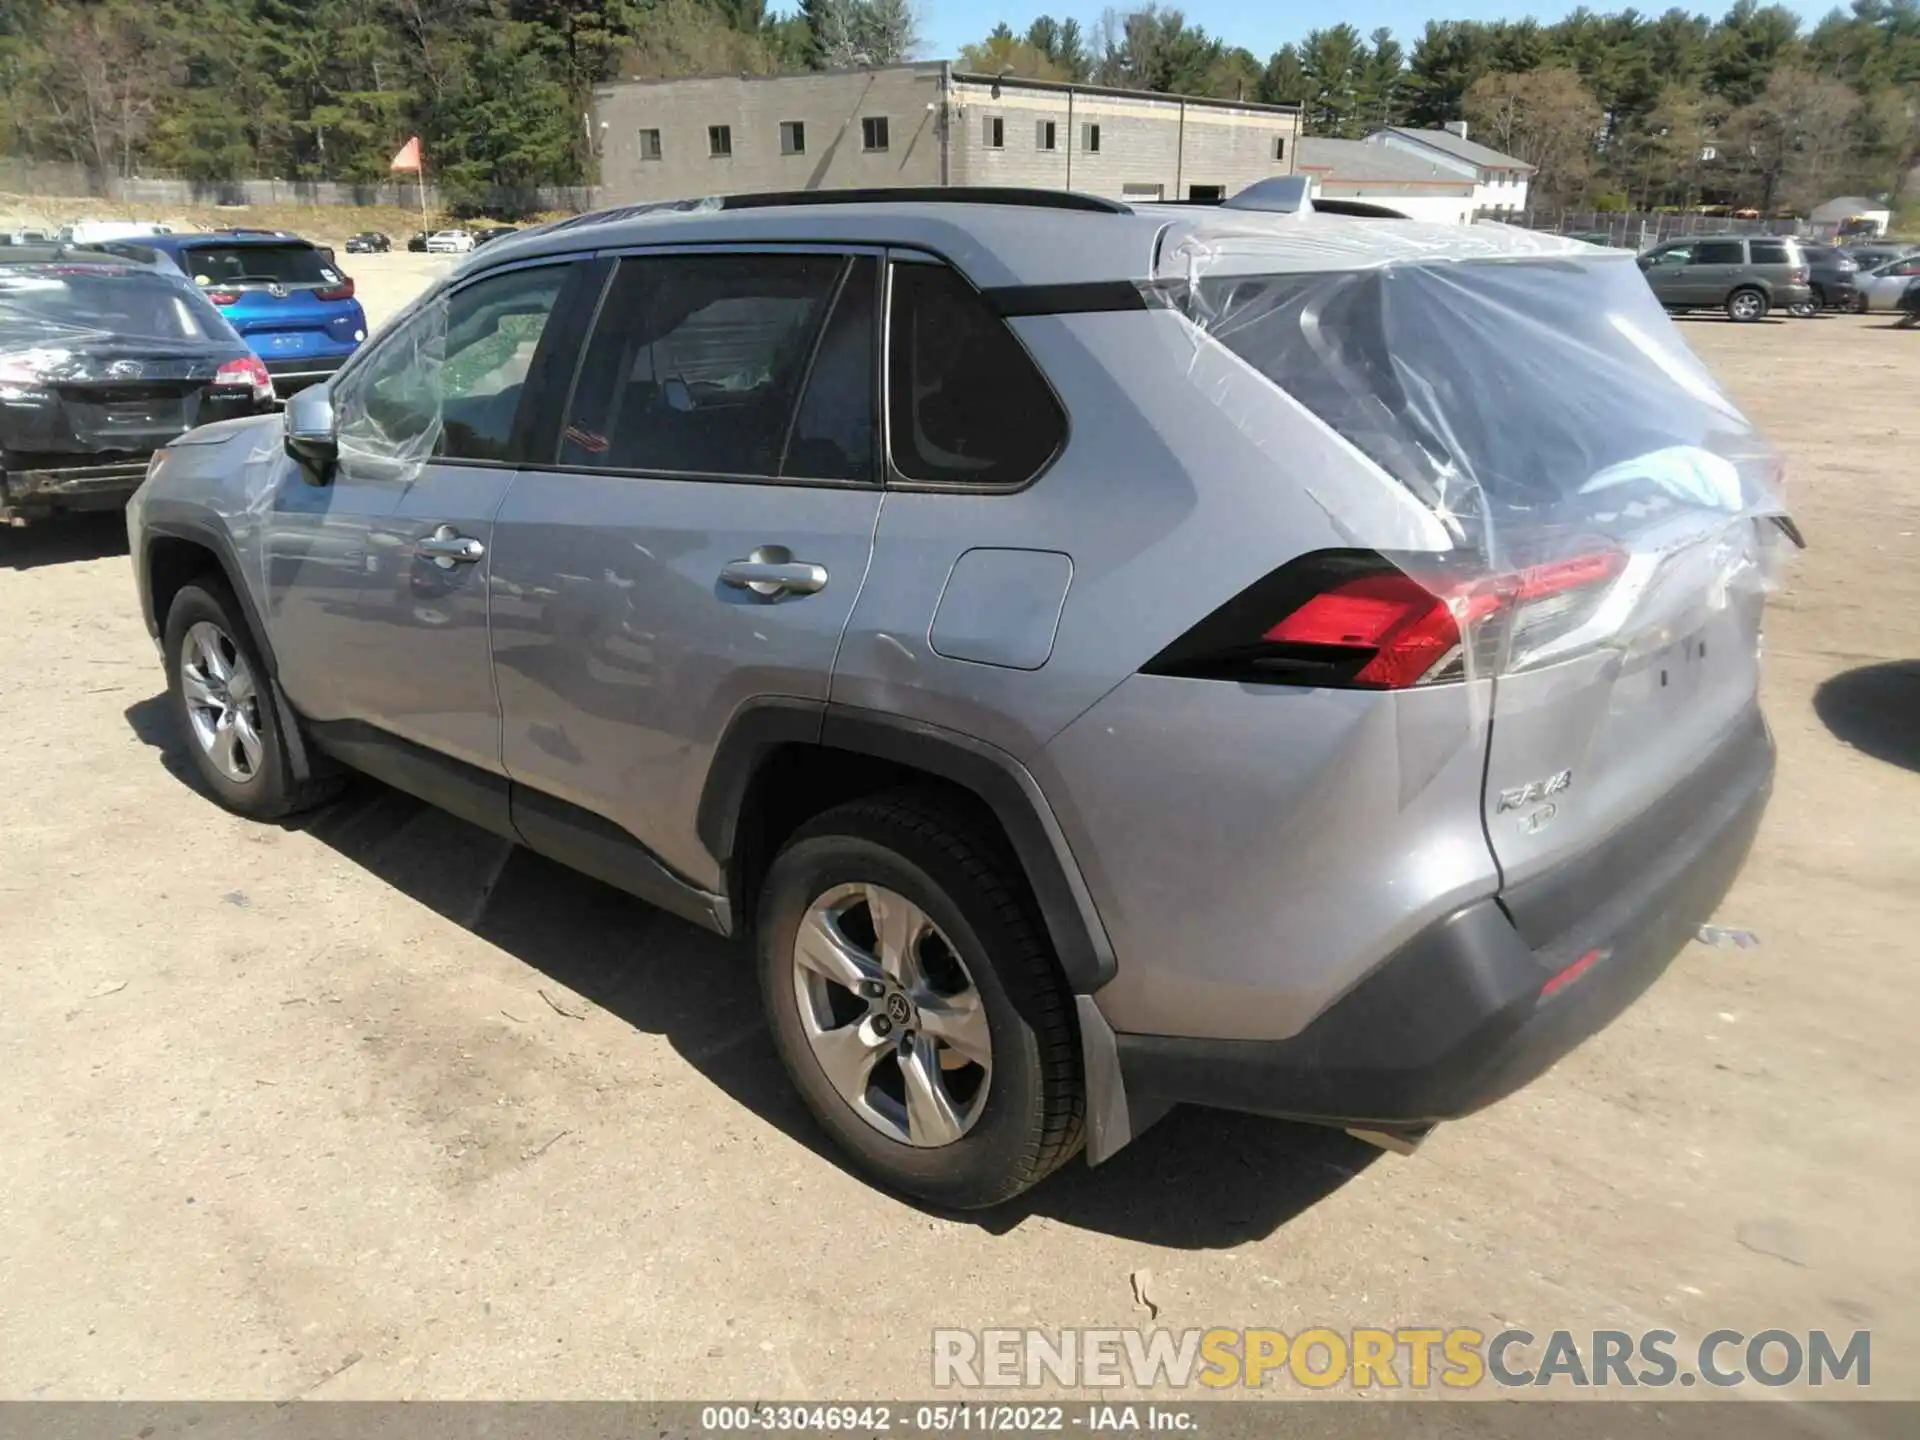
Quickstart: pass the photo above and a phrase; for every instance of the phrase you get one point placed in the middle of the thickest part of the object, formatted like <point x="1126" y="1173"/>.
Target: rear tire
<point x="916" y="925"/>
<point x="1747" y="305"/>
<point x="227" y="704"/>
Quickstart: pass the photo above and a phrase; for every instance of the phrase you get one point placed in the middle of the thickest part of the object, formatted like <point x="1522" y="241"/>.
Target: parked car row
<point x="457" y="241"/>
<point x="286" y="296"/>
<point x="1751" y="276"/>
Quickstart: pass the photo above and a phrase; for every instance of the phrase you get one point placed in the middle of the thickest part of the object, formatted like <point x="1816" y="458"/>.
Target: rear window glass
<point x="1515" y="390"/>
<point x="50" y="307"/>
<point x="965" y="403"/>
<point x="258" y="264"/>
<point x="1719" y="252"/>
<point x="1769" y="252"/>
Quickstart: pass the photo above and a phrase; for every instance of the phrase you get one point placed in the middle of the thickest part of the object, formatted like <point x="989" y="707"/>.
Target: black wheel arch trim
<point x="214" y="540"/>
<point x="998" y="779"/>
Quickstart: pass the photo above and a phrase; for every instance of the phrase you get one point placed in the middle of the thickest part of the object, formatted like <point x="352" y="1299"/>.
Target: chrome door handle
<point x="447" y="547"/>
<point x="771" y="571"/>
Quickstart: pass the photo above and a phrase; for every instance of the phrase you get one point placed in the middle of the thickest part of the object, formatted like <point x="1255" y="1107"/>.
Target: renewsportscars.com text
<point x="1407" y="1357"/>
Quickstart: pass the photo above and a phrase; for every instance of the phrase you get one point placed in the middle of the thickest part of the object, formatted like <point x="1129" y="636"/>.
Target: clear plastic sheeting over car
<point x="1577" y="478"/>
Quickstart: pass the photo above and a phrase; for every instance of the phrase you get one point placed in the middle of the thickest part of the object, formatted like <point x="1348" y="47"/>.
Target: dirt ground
<point x="374" y="1106"/>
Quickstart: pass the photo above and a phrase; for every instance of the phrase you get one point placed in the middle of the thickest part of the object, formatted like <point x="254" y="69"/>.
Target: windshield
<point x="1517" y="399"/>
<point x="290" y="264"/>
<point x="55" y="306"/>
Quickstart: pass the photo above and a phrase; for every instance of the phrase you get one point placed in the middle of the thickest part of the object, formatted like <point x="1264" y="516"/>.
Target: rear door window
<point x="965" y="403"/>
<point x="289" y="265"/>
<point x="698" y="361"/>
<point x="1770" y="252"/>
<point x="1719" y="252"/>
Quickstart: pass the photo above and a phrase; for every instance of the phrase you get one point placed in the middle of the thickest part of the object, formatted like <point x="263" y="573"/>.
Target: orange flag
<point x="409" y="156"/>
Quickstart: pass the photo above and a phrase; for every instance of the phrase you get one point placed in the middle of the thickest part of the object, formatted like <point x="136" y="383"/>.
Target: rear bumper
<point x="24" y="493"/>
<point x="1469" y="1011"/>
<point x="298" y="372"/>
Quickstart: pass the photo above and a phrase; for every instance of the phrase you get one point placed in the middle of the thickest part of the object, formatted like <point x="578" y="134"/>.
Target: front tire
<point x="1746" y="306"/>
<point x="223" y="696"/>
<point x="914" y="998"/>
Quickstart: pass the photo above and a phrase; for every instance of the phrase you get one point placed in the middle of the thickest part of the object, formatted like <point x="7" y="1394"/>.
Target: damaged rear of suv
<point x="1103" y="657"/>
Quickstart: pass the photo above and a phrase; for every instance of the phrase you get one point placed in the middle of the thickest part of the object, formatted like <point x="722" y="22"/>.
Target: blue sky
<point x="946" y="25"/>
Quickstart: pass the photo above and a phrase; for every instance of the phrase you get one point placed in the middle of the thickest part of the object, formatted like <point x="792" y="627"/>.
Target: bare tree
<point x="1547" y="118"/>
<point x="102" y="71"/>
<point x="1796" y="143"/>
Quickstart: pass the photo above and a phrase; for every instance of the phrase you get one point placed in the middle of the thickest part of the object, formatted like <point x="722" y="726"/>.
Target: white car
<point x="450" y="242"/>
<point x="1881" y="289"/>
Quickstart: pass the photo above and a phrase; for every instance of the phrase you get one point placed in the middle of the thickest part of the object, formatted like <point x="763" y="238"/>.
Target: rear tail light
<point x="1356" y="620"/>
<point x="250" y="373"/>
<point x="342" y="291"/>
<point x="1800" y="276"/>
<point x="224" y="297"/>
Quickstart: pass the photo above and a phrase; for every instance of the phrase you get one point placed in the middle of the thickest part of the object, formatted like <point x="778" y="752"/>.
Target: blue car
<point x="289" y="301"/>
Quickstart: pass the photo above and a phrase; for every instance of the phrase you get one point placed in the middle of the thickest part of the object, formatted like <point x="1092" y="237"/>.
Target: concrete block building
<point x="928" y="124"/>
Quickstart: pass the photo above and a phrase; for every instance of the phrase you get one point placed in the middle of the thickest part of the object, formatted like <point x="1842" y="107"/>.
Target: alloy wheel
<point x="892" y="1015"/>
<point x="1745" y="306"/>
<point x="223" y="702"/>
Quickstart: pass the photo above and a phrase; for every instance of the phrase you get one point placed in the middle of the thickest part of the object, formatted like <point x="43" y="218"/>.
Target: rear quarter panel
<point x="1253" y="851"/>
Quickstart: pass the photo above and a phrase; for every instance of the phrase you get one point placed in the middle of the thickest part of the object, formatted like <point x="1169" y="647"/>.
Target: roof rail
<point x="932" y="195"/>
<point x="890" y="195"/>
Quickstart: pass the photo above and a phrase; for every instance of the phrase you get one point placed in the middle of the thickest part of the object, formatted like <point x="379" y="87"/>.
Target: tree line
<point x="1617" y="111"/>
<point x="1614" y="109"/>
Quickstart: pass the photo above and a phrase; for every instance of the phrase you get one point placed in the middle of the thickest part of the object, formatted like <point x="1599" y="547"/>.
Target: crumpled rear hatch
<point x="1600" y="519"/>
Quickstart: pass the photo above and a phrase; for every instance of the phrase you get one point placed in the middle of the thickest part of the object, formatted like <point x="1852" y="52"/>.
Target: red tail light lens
<point x="248" y="373"/>
<point x="1410" y="629"/>
<point x="1353" y="619"/>
<point x="342" y="291"/>
<point x="224" y="297"/>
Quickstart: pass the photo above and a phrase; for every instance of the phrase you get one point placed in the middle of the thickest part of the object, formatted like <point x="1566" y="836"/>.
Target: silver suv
<point x="1099" y="657"/>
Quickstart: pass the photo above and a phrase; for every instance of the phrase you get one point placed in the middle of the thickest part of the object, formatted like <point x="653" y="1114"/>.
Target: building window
<point x="793" y="137"/>
<point x="649" y="144"/>
<point x="720" y="141"/>
<point x="1090" y="139"/>
<point x="1044" y="136"/>
<point x="873" y="133"/>
<point x="996" y="133"/>
<point x="1279" y="147"/>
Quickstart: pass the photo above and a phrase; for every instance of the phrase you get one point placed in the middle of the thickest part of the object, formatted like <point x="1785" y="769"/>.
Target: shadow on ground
<point x="1875" y="709"/>
<point x="1197" y="1180"/>
<point x="64" y="540"/>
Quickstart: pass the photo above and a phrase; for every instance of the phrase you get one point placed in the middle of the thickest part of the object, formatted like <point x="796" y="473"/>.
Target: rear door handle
<point x="771" y="571"/>
<point x="447" y="547"/>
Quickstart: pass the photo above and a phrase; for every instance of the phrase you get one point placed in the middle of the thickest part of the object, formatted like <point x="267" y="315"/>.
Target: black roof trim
<point x="891" y="195"/>
<point x="931" y="195"/>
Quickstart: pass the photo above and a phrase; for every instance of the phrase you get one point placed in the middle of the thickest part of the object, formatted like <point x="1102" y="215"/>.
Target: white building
<point x="1418" y="187"/>
<point x="1499" y="181"/>
<point x="1828" y="218"/>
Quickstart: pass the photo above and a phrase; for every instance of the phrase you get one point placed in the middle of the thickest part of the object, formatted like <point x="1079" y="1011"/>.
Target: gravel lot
<point x="374" y="1106"/>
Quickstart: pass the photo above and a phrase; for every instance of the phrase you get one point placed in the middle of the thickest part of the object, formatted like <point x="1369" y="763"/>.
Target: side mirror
<point x="309" y="433"/>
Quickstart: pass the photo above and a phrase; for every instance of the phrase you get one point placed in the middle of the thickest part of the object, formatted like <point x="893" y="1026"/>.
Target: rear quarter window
<point x="965" y="403"/>
<point x="1770" y="252"/>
